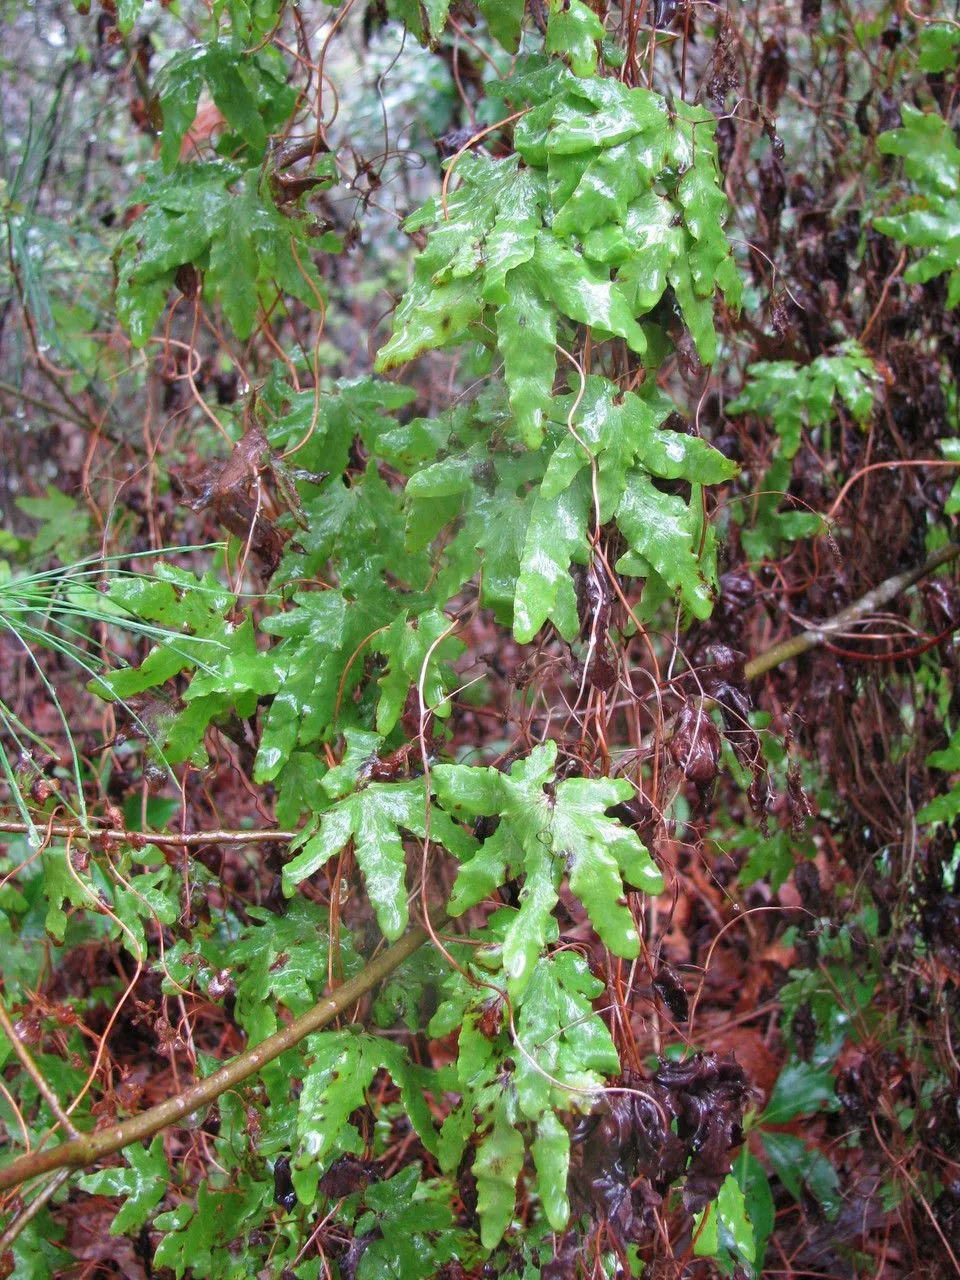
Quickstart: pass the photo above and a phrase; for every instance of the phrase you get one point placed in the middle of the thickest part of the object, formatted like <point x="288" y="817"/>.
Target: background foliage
<point x="494" y="461"/>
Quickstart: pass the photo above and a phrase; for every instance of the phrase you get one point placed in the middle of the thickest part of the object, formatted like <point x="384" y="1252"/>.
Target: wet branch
<point x="880" y="595"/>
<point x="90" y="1147"/>
<point x="140" y="839"/>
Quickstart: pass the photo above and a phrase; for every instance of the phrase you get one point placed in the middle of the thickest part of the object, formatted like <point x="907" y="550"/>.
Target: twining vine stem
<point x="86" y="1149"/>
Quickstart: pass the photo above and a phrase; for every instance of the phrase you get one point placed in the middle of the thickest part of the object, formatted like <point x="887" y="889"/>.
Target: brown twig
<point x="35" y="1074"/>
<point x="30" y="1211"/>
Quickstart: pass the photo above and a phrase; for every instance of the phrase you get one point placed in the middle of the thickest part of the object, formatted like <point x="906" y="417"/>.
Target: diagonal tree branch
<point x="881" y="595"/>
<point x="90" y="1147"/>
<point x="140" y="839"/>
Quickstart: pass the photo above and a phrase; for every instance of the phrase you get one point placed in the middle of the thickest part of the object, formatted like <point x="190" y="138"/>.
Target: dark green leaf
<point x="800" y="1089"/>
<point x="556" y="535"/>
<point x="504" y="18"/>
<point x="527" y="335"/>
<point x="233" y="97"/>
<point x="417" y="656"/>
<point x="180" y="84"/>
<point x="561" y="1038"/>
<point x="598" y="851"/>
<point x="798" y="1165"/>
<point x="704" y="208"/>
<point x="538" y="835"/>
<point x="664" y="533"/>
<point x="551" y="1156"/>
<point x="496" y="1167"/>
<point x="618" y="113"/>
<point x="582" y="292"/>
<point x="574" y="29"/>
<point x="233" y="270"/>
<point x="752" y="1177"/>
<point x="143" y="1184"/>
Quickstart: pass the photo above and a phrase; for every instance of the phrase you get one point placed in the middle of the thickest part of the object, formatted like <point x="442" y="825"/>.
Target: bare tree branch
<point x="91" y="1147"/>
<point x="140" y="839"/>
<point x="880" y="595"/>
